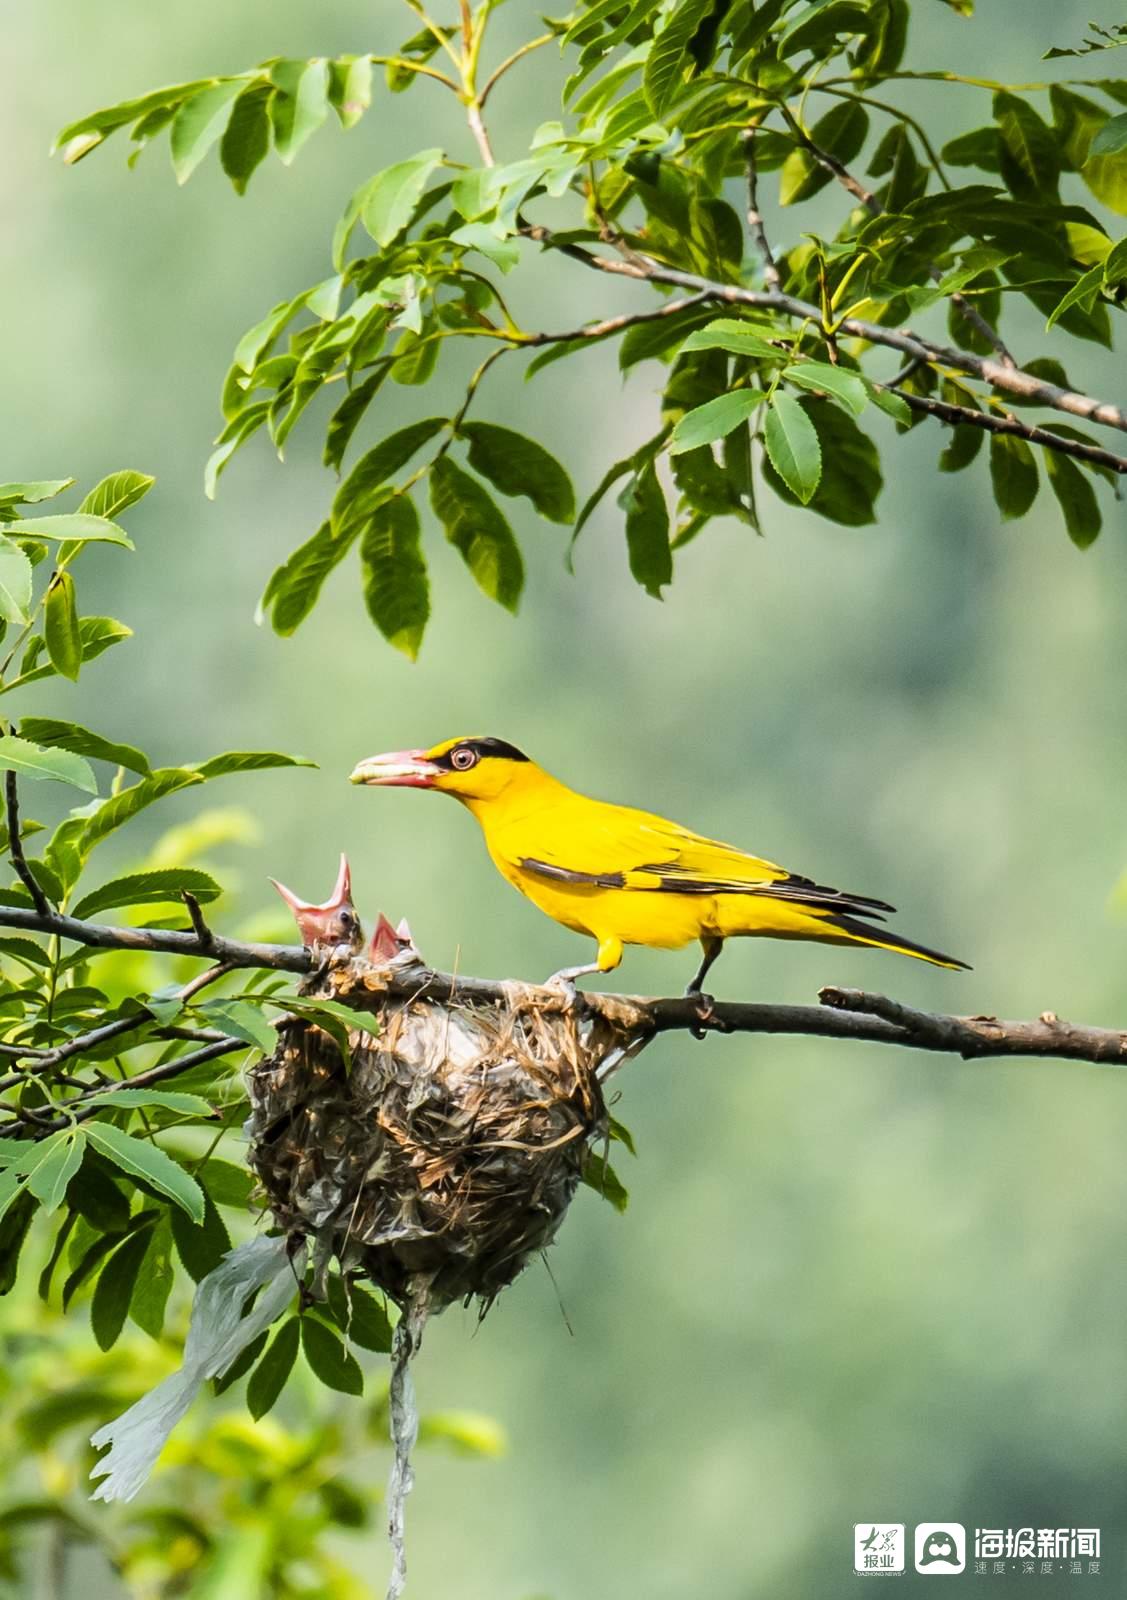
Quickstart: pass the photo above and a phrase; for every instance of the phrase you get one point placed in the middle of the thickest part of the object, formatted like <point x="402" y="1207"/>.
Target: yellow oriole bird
<point x="624" y="876"/>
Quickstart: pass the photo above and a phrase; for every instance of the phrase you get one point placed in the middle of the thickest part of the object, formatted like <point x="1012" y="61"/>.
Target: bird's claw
<point x="567" y="987"/>
<point x="706" y="1013"/>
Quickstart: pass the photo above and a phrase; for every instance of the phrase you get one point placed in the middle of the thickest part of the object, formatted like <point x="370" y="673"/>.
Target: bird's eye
<point x="347" y="920"/>
<point x="463" y="758"/>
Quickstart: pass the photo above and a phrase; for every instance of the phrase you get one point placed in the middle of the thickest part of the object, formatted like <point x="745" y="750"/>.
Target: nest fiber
<point x="448" y="1151"/>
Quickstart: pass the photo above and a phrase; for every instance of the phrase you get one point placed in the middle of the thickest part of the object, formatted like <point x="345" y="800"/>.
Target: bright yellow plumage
<point x="623" y="876"/>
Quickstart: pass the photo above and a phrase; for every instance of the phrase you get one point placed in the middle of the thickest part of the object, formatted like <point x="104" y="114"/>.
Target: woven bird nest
<point x="448" y="1153"/>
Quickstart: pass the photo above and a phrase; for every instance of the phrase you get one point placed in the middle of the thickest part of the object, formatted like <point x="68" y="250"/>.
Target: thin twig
<point x="612" y="325"/>
<point x="203" y="932"/>
<point x="161" y="1074"/>
<point x="969" y="313"/>
<point x="15" y="845"/>
<point x="967" y="416"/>
<point x="511" y="61"/>
<point x="771" y="275"/>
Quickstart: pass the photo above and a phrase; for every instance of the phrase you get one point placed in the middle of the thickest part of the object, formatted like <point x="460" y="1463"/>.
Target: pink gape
<point x="333" y="930"/>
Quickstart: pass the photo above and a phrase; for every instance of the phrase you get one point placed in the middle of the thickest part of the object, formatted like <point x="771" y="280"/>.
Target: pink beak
<point x="322" y="924"/>
<point x="400" y="769"/>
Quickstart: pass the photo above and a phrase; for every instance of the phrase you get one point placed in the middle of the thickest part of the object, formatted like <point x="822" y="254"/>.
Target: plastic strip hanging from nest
<point x="443" y="1155"/>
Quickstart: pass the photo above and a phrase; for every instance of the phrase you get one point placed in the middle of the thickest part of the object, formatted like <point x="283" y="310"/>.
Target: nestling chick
<point x="330" y="931"/>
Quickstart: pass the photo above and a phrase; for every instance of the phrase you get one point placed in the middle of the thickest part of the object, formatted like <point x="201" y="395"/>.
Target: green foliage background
<point x="850" y="1284"/>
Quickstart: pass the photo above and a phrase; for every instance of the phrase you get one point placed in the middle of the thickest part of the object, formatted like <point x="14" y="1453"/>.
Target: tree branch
<point x="1010" y="380"/>
<point x="966" y="415"/>
<point x="15" y="845"/>
<point x="843" y="1013"/>
<point x="166" y="941"/>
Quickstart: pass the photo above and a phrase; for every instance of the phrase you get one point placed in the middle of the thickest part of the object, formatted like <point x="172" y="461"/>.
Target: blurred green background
<point x="851" y="1283"/>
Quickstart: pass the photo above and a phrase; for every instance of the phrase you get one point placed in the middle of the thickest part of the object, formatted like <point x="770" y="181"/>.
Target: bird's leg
<point x="610" y="954"/>
<point x="706" y="1005"/>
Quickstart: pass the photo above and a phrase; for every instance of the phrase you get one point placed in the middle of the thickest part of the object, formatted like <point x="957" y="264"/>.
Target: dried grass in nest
<point x="448" y="1154"/>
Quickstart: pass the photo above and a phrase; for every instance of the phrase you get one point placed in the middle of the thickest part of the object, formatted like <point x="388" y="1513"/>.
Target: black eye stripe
<point x="480" y="748"/>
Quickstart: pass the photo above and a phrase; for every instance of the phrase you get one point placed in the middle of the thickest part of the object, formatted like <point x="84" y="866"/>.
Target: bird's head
<point x="331" y="928"/>
<point x="470" y="768"/>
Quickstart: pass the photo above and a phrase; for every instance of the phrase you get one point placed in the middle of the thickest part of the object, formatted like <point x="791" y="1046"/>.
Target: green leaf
<point x="394" y="574"/>
<point x="358" y="493"/>
<point x="618" y="469"/>
<point x="503" y="252"/>
<point x="111" y="117"/>
<point x="1106" y="177"/>
<point x="125" y="805"/>
<point x="32" y="761"/>
<point x="60" y="626"/>
<point x="1084" y="292"/>
<point x="729" y="333"/>
<point x="269" y="1377"/>
<point x="164" y="1099"/>
<point x="239" y="1368"/>
<point x="890" y="402"/>
<point x="121" y="489"/>
<point x="669" y="55"/>
<point x="98" y="1199"/>
<point x="198" y="124"/>
<point x="30" y="955"/>
<point x="1076" y="497"/>
<point x="155" y="887"/>
<point x="15" y="583"/>
<point x="245" y="1021"/>
<point x="518" y="465"/>
<point x="598" y="1174"/>
<point x="393" y="195"/>
<point x="359" y="1315"/>
<point x="149" y="1299"/>
<point x="61" y="1158"/>
<point x="476" y="528"/>
<point x="76" y="528"/>
<point x="847" y="388"/>
<point x="200" y="1246"/>
<point x="1111" y="140"/>
<point x="14" y="1225"/>
<point x="295" y="586"/>
<point x="345" y="419"/>
<point x="1013" y="473"/>
<point x="350" y="89"/>
<point x="712" y="421"/>
<point x="246" y="139"/>
<point x="1115" y="265"/>
<point x="114" y="1289"/>
<point x="792" y="444"/>
<point x="299" y="115"/>
<point x="841" y="133"/>
<point x="328" y="1359"/>
<point x="26" y="494"/>
<point x="1029" y="157"/>
<point x="317" y="1009"/>
<point x="70" y="736"/>
<point x="247" y="761"/>
<point x="143" y="1160"/>
<point x="647" y="531"/>
<point x="851" y="478"/>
